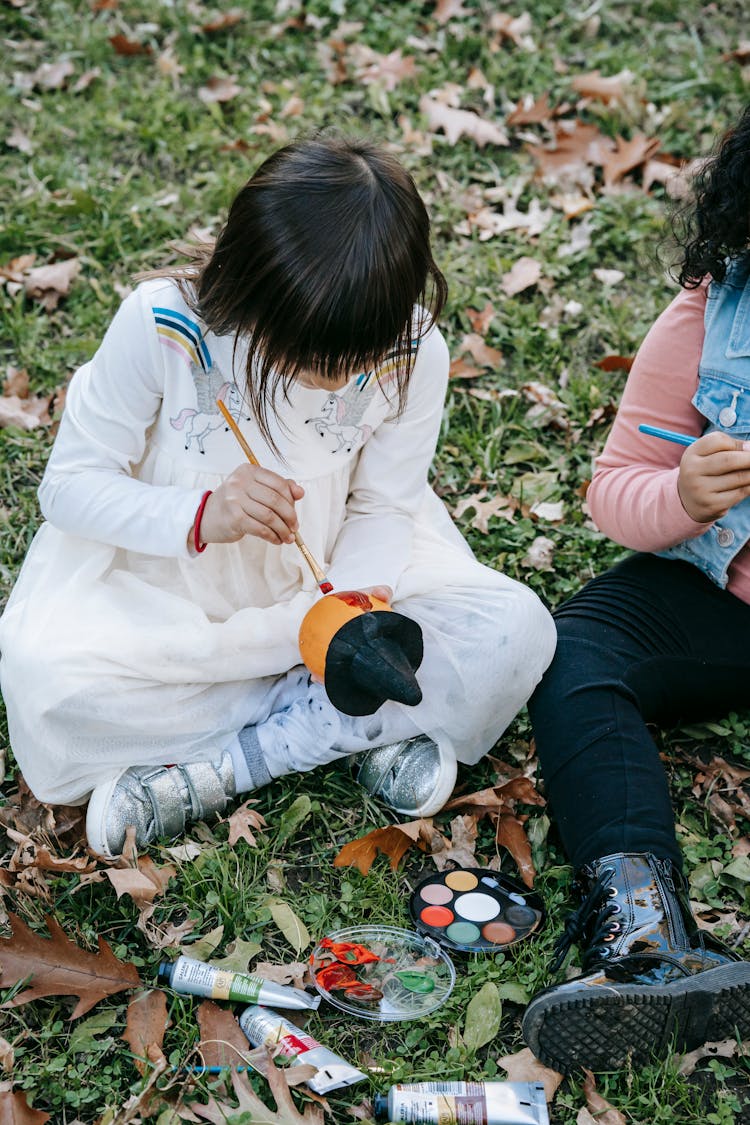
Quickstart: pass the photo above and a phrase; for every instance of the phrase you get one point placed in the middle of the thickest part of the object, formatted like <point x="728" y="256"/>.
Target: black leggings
<point x="650" y="641"/>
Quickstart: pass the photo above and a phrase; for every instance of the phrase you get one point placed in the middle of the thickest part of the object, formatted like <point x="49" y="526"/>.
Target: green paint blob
<point x="463" y="933"/>
<point x="415" y="982"/>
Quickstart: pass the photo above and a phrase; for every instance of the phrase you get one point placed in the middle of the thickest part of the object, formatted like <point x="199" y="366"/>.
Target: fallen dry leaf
<point x="608" y="277"/>
<point x="16" y="382"/>
<point x="464" y="369"/>
<point x="128" y="47"/>
<point x="628" y="156"/>
<point x="529" y="111"/>
<point x="296" y="973"/>
<point x="251" y="1106"/>
<point x="457" y="123"/>
<point x="53" y="75"/>
<point x="740" y="54"/>
<point x="240" y="823"/>
<point x="615" y="363"/>
<point x="485" y="356"/>
<point x="577" y="146"/>
<point x="481" y="319"/>
<point x="525" y="1067"/>
<point x="223" y="21"/>
<point x="424" y="833"/>
<point x="60" y="967"/>
<point x="19" y="140"/>
<point x="498" y="507"/>
<point x="48" y="284"/>
<point x="522" y="275"/>
<point x="222" y="1041"/>
<point x="219" y="89"/>
<point x="725" y="1050"/>
<point x="390" y="841"/>
<point x="540" y="554"/>
<point x="605" y="89"/>
<point x="387" y="70"/>
<point x="25" y="413"/>
<point x="446" y="10"/>
<point x="602" y="1112"/>
<point x="462" y="845"/>
<point x="86" y="79"/>
<point x="145" y="1025"/>
<point x="515" y="28"/>
<point x="511" y="834"/>
<point x="548" y="511"/>
<point x="7" y="1055"/>
<point x="15" y="1110"/>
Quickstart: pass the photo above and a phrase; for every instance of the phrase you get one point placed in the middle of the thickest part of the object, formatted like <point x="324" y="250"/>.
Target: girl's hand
<point x="714" y="476"/>
<point x="385" y="593"/>
<point x="251" y="501"/>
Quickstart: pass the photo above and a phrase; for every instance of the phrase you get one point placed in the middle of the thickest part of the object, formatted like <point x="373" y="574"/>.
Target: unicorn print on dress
<point x="198" y="424"/>
<point x="338" y="422"/>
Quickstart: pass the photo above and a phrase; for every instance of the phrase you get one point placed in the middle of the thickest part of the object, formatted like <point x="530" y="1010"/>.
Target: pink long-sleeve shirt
<point x="633" y="496"/>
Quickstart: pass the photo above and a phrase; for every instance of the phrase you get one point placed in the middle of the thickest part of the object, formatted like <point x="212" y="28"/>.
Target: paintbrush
<point x="318" y="572"/>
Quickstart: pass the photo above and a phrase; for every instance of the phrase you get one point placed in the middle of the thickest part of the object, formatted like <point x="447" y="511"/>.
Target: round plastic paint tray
<point x="475" y="910"/>
<point x="382" y="972"/>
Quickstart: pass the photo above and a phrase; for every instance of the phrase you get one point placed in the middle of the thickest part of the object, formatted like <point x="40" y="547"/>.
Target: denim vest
<point x="723" y="398"/>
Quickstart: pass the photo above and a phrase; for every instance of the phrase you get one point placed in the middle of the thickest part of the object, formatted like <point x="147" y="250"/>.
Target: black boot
<point x="650" y="978"/>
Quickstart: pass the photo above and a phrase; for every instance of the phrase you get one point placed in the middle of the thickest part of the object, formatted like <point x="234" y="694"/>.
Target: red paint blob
<point x="356" y="598"/>
<point x="326" y="587"/>
<point x="437" y="916"/>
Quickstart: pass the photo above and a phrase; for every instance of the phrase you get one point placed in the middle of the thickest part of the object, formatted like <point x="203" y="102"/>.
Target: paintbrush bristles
<point x="318" y="572"/>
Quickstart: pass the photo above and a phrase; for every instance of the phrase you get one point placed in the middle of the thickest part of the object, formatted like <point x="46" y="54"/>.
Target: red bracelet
<point x="197" y="523"/>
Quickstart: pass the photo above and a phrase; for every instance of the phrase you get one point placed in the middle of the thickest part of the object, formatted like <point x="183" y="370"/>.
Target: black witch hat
<point x="373" y="658"/>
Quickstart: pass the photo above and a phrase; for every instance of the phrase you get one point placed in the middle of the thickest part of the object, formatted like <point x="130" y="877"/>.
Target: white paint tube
<point x="464" y="1103"/>
<point x="264" y="1027"/>
<point x="197" y="978"/>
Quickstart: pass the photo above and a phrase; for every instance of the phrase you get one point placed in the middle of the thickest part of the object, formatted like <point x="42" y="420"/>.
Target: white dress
<point x="120" y="647"/>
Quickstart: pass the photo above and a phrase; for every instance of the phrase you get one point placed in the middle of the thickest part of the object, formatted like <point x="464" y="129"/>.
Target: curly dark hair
<point x="715" y="225"/>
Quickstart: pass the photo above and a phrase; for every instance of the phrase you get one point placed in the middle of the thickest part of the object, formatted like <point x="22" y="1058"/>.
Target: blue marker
<point x="668" y="435"/>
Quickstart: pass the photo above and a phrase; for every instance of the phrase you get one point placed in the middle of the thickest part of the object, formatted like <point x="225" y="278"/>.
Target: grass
<point x="135" y="160"/>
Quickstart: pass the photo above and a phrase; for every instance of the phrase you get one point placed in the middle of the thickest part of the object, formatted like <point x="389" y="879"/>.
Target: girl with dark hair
<point x="660" y="638"/>
<point x="150" y="646"/>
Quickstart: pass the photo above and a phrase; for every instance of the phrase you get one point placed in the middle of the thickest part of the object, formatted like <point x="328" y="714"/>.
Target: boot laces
<point x="597" y="906"/>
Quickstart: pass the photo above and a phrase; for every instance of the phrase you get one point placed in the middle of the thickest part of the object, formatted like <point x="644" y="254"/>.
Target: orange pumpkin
<point x="362" y="650"/>
<point x="324" y="620"/>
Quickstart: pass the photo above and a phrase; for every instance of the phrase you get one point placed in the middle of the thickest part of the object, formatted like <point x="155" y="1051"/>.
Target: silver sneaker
<point x="414" y="777"/>
<point x="158" y="801"/>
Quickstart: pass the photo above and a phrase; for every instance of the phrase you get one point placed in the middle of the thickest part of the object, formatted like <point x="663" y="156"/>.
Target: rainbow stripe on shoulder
<point x="386" y="369"/>
<point x="183" y="336"/>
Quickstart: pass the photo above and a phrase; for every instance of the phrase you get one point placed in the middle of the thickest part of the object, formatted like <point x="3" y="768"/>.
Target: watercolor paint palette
<point x="473" y="909"/>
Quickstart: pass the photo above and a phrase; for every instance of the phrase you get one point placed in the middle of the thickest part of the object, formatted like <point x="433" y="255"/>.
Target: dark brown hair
<point x="714" y="227"/>
<point x="324" y="255"/>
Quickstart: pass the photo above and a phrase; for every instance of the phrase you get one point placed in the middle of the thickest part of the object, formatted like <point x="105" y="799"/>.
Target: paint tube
<point x="262" y="1026"/>
<point x="197" y="978"/>
<point x="461" y="1103"/>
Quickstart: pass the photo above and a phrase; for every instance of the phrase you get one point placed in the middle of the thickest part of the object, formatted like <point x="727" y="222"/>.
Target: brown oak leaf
<point x="145" y="1025"/>
<point x="390" y="841"/>
<point x="15" y="1110"/>
<point x="511" y="834"/>
<point x="525" y="1067"/>
<point x="241" y="823"/>
<point x="249" y="1103"/>
<point x="601" y="1111"/>
<point x="60" y="967"/>
<point x="627" y="156"/>
<point x="457" y="123"/>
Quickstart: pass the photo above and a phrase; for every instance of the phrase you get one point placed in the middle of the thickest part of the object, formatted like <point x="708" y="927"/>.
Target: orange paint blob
<point x="437" y="916"/>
